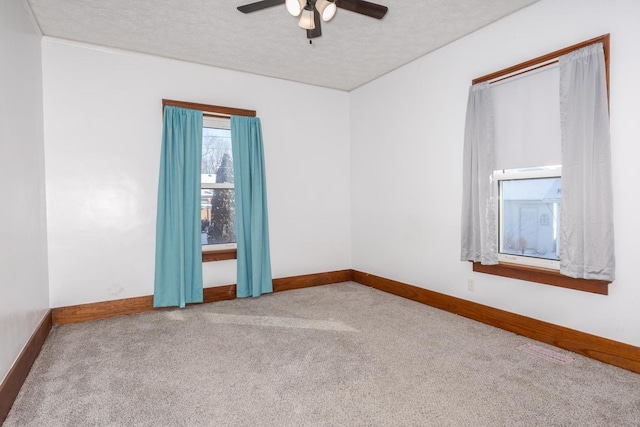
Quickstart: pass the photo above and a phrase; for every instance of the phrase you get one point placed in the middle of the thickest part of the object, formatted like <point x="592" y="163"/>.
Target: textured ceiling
<point x="352" y="51"/>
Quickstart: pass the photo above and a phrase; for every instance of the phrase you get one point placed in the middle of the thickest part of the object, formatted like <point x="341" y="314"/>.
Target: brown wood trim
<point x="18" y="373"/>
<point x="102" y="310"/>
<point x="230" y="111"/>
<point x="122" y="307"/>
<point x="219" y="255"/>
<point x="604" y="39"/>
<point x="308" y="280"/>
<point x="605" y="350"/>
<point x="545" y="276"/>
<point x="219" y="293"/>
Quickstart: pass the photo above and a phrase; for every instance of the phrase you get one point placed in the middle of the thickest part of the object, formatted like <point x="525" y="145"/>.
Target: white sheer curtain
<point x="479" y="242"/>
<point x="586" y="228"/>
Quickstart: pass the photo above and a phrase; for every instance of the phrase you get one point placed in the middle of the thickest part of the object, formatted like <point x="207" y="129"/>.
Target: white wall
<point x="103" y="126"/>
<point x="24" y="295"/>
<point x="103" y="123"/>
<point x="406" y="158"/>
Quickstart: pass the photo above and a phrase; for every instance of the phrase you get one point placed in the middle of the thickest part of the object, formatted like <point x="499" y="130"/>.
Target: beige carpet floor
<point x="335" y="355"/>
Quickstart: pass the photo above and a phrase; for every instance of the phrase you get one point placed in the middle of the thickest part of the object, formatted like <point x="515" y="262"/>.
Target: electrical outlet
<point x="471" y="286"/>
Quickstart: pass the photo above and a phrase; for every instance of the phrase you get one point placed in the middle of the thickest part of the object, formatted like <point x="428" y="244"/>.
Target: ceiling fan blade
<point x="317" y="31"/>
<point x="363" y="7"/>
<point x="259" y="5"/>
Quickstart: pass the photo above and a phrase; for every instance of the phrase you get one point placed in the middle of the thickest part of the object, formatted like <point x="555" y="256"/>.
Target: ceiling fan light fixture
<point x="294" y="7"/>
<point x="306" y="18"/>
<point x="326" y="8"/>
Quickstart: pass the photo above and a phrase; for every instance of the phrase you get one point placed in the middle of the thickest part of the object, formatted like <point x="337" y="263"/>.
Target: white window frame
<point x="518" y="174"/>
<point x="209" y="181"/>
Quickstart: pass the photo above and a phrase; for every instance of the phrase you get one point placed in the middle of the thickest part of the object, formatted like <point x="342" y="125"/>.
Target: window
<point x="522" y="204"/>
<point x="527" y="191"/>
<point x="214" y="192"/>
<point x="217" y="205"/>
<point x="529" y="216"/>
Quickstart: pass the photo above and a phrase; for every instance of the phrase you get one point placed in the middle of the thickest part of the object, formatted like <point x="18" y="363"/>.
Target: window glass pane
<point x="217" y="161"/>
<point x="530" y="215"/>
<point x="217" y="205"/>
<point x="217" y="216"/>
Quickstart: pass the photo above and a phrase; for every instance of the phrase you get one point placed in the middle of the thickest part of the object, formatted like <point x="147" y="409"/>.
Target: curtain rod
<point x="206" y="109"/>
<point x="219" y="115"/>
<point x="524" y="71"/>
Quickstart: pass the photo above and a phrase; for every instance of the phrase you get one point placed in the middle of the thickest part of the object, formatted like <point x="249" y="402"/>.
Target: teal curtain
<point x="178" y="275"/>
<point x="252" y="225"/>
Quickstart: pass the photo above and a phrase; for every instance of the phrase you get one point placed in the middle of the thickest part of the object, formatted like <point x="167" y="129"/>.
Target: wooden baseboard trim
<point x="218" y="293"/>
<point x="605" y="350"/>
<point x="18" y="373"/>
<point x="121" y="307"/>
<point x="307" y="280"/>
<point x="101" y="310"/>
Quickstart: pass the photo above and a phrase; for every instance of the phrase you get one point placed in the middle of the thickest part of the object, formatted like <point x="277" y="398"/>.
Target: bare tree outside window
<point x="217" y="194"/>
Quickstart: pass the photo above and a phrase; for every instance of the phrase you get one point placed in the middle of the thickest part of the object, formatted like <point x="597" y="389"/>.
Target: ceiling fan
<point x="312" y="12"/>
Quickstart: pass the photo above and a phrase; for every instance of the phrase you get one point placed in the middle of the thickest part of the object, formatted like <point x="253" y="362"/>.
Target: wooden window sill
<point x="220" y="255"/>
<point x="544" y="276"/>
